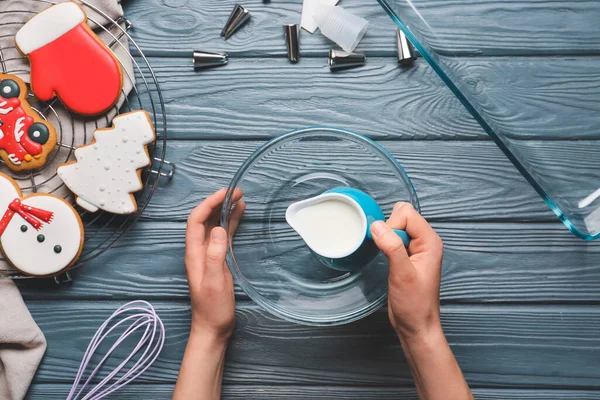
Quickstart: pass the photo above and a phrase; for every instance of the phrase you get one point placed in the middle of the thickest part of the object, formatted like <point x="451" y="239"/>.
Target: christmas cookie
<point x="40" y="234"/>
<point x="70" y="61"/>
<point x="25" y="138"/>
<point x="108" y="170"/>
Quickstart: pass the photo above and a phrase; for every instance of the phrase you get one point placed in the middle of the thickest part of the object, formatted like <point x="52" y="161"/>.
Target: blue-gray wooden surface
<point x="520" y="294"/>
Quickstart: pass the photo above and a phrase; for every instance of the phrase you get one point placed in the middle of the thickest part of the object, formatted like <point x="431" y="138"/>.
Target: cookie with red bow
<point x="40" y="234"/>
<point x="25" y="138"/>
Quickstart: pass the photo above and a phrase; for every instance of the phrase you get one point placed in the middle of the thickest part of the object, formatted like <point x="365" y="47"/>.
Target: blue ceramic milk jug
<point x="336" y="227"/>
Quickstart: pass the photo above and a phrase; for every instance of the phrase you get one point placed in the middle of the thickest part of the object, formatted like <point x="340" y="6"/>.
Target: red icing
<point x="8" y="122"/>
<point x="33" y="216"/>
<point x="81" y="71"/>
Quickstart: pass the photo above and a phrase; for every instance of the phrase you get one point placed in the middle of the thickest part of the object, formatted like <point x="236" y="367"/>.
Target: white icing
<point x="19" y="132"/>
<point x="86" y="205"/>
<point x="7" y="89"/>
<point x="23" y="250"/>
<point x="5" y="111"/>
<point x="48" y="26"/>
<point x="8" y="193"/>
<point x="13" y="159"/>
<point x="93" y="178"/>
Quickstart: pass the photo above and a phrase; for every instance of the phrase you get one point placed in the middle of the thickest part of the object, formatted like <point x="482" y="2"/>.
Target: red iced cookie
<point x="70" y="61"/>
<point x="25" y="138"/>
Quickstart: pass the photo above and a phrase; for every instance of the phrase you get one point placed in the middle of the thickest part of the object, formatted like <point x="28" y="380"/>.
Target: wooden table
<point x="519" y="292"/>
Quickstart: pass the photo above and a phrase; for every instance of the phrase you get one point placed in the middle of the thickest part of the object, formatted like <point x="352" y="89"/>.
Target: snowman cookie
<point x="108" y="170"/>
<point x="25" y="138"/>
<point x="40" y="234"/>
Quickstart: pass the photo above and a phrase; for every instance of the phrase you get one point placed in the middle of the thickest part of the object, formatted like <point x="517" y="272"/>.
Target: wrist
<point x="209" y="337"/>
<point x="428" y="336"/>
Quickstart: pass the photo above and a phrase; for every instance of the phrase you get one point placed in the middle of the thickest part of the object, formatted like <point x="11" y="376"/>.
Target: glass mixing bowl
<point x="271" y="262"/>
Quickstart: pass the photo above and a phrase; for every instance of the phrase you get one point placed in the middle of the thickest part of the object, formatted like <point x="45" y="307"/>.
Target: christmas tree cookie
<point x="108" y="170"/>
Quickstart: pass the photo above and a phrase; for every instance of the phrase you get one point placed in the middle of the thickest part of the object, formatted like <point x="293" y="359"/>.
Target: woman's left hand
<point x="210" y="282"/>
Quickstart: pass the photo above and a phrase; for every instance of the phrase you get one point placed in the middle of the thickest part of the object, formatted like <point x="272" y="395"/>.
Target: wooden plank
<point x="513" y="27"/>
<point x="537" y="347"/>
<point x="175" y="27"/>
<point x="42" y="391"/>
<point x="483" y="262"/>
<point x="534" y="97"/>
<point x="261" y="98"/>
<point x="454" y="181"/>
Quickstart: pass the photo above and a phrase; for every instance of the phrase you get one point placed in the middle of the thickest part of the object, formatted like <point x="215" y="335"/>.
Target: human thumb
<point x="390" y="243"/>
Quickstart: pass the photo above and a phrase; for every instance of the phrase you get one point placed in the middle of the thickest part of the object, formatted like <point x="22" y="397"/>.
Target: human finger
<point x="422" y="235"/>
<point x="215" y="216"/>
<point x="237" y="194"/>
<point x="392" y="246"/>
<point x="216" y="253"/>
<point x="196" y="232"/>
<point x="236" y="216"/>
<point x="203" y="212"/>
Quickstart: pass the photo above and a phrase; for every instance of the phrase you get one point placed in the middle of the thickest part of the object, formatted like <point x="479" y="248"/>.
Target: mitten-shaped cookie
<point x="69" y="60"/>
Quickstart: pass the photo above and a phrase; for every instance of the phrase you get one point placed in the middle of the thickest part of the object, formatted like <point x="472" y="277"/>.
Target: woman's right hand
<point x="414" y="304"/>
<point x="414" y="282"/>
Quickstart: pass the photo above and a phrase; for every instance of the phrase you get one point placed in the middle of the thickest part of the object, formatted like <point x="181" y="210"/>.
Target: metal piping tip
<point x="206" y="59"/>
<point x="406" y="53"/>
<point x="238" y="17"/>
<point x="292" y="41"/>
<point x="339" y="59"/>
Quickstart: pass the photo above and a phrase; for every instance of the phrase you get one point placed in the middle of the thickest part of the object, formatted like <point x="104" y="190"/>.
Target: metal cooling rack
<point x="102" y="230"/>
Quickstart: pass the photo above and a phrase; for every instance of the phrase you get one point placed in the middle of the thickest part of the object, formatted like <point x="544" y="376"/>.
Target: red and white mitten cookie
<point x="40" y="234"/>
<point x="25" y="138"/>
<point x="70" y="61"/>
<point x="108" y="170"/>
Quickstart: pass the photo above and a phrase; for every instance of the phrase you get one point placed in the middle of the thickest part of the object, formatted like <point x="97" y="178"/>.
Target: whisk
<point x="132" y="317"/>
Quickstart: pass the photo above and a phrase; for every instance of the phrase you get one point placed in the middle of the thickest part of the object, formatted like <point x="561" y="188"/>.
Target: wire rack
<point x="102" y="230"/>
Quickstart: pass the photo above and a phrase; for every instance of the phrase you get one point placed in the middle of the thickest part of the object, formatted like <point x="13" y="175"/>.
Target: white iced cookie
<point x="40" y="234"/>
<point x="108" y="170"/>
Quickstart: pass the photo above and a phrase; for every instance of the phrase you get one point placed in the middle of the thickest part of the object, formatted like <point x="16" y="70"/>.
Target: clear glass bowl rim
<point x="227" y="204"/>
